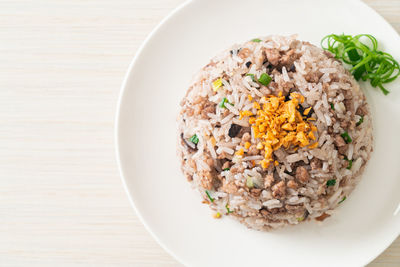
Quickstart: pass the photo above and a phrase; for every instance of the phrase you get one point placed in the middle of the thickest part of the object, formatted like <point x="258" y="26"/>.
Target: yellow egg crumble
<point x="278" y="123"/>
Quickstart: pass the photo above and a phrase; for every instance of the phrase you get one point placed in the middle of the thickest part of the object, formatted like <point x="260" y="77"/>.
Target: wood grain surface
<point x="61" y="66"/>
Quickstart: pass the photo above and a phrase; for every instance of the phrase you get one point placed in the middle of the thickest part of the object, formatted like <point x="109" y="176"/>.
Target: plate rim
<point x="117" y="124"/>
<point x="122" y="92"/>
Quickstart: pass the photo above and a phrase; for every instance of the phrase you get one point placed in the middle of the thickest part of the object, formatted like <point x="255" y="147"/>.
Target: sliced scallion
<point x="361" y="52"/>
<point x="256" y="40"/>
<point x="227" y="208"/>
<point x="249" y="182"/>
<point x="331" y="182"/>
<point x="265" y="79"/>
<point x="252" y="76"/>
<point x="346" y="137"/>
<point x="350" y="164"/>
<point x="194" y="139"/>
<point x="361" y="120"/>
<point x="223" y="101"/>
<point x="208" y="194"/>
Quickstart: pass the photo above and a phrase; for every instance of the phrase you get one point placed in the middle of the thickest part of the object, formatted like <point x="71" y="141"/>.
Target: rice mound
<point x="300" y="183"/>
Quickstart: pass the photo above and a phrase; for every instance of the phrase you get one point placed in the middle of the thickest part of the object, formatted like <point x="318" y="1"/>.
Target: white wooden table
<point x="61" y="66"/>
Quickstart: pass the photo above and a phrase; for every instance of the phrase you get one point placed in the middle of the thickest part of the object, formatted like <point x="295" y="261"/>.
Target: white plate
<point x="364" y="225"/>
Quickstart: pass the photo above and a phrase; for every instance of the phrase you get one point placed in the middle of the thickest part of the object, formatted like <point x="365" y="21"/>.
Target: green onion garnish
<point x="346" y="137"/>
<point x="350" y="164"/>
<point x="361" y="120"/>
<point x="331" y="182"/>
<point x="226" y="169"/>
<point x="223" y="101"/>
<point x="332" y="106"/>
<point x="227" y="208"/>
<point x="368" y="63"/>
<point x="256" y="40"/>
<point x="194" y="139"/>
<point x="343" y="199"/>
<point x="299" y="219"/>
<point x="265" y="79"/>
<point x="249" y="182"/>
<point x="252" y="76"/>
<point x="350" y="161"/>
<point x="208" y="194"/>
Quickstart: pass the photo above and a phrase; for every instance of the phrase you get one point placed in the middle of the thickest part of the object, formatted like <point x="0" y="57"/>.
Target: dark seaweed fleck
<point x="292" y="68"/>
<point x="234" y="130"/>
<point x="301" y="110"/>
<point x="305" y="215"/>
<point x="248" y="63"/>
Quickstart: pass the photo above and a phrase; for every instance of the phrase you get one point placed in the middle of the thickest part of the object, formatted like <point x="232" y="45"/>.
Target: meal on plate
<point x="275" y="131"/>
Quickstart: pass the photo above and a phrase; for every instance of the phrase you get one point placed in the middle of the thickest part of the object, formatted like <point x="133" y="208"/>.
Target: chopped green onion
<point x="346" y="137"/>
<point x="361" y="120"/>
<point x="343" y="199"/>
<point x="223" y="101"/>
<point x="353" y="54"/>
<point x="350" y="164"/>
<point x="249" y="182"/>
<point x="217" y="84"/>
<point x="194" y="139"/>
<point x="368" y="63"/>
<point x="332" y="106"/>
<point x="226" y="169"/>
<point x="208" y="194"/>
<point x="256" y="40"/>
<point x="265" y="79"/>
<point x="331" y="182"/>
<point x="227" y="208"/>
<point x="299" y="219"/>
<point x="252" y="76"/>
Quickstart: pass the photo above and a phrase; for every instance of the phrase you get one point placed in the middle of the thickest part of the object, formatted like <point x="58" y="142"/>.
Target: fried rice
<point x="274" y="132"/>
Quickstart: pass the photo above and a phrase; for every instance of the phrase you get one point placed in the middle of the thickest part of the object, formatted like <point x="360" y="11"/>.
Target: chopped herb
<point x="227" y="208"/>
<point x="368" y="63"/>
<point x="346" y="137"/>
<point x="265" y="79"/>
<point x="343" y="199"/>
<point x="299" y="219"/>
<point x="194" y="139"/>
<point x="331" y="182"/>
<point x="249" y="182"/>
<point x="208" y="194"/>
<point x="252" y="76"/>
<point x="361" y="120"/>
<point x="350" y="164"/>
<point x="217" y="84"/>
<point x="256" y="40"/>
<point x="332" y="106"/>
<point x="226" y="169"/>
<point x="223" y="101"/>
